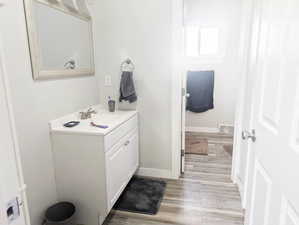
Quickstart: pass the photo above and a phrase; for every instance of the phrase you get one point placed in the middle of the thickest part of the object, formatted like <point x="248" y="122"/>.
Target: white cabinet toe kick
<point x="93" y="170"/>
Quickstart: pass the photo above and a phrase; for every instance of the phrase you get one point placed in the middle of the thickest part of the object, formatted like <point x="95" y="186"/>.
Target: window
<point x="201" y="41"/>
<point x="192" y="41"/>
<point x="208" y="41"/>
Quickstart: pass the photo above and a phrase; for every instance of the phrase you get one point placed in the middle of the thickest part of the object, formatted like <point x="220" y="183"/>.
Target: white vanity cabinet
<point x="93" y="168"/>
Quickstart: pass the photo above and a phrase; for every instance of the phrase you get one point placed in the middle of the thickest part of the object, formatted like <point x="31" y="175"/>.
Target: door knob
<point x="249" y="135"/>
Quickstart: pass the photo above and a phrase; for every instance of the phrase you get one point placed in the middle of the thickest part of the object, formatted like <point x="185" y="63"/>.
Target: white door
<point x="274" y="177"/>
<point x="243" y="155"/>
<point x="13" y="205"/>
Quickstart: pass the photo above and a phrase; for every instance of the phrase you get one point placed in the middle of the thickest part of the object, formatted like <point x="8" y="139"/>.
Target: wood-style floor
<point x="204" y="195"/>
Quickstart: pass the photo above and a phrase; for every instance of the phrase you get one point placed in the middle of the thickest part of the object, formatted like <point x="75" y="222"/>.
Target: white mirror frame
<point x="38" y="72"/>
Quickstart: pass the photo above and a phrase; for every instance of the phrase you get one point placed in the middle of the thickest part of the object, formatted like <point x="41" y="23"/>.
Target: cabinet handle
<point x="127" y="142"/>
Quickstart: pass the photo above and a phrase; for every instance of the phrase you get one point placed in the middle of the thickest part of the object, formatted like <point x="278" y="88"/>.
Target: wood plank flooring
<point x="204" y="195"/>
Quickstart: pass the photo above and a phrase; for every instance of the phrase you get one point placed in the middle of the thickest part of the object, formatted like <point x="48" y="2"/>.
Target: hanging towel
<point x="200" y="86"/>
<point x="127" y="89"/>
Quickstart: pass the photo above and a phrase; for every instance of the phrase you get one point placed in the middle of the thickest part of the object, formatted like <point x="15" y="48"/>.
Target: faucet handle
<point x="87" y="115"/>
<point x="82" y="115"/>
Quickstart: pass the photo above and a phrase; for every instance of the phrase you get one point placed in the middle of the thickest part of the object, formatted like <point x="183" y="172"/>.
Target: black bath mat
<point x="142" y="195"/>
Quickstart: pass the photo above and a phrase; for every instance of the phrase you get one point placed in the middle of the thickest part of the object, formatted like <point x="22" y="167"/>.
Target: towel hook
<point x="125" y="64"/>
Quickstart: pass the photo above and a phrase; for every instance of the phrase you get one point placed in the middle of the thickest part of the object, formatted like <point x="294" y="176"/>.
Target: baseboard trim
<point x="240" y="186"/>
<point x="203" y="129"/>
<point x="226" y="125"/>
<point x="152" y="172"/>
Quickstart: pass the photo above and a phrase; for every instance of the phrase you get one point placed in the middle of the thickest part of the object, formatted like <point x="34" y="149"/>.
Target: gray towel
<point x="127" y="89"/>
<point x="200" y="86"/>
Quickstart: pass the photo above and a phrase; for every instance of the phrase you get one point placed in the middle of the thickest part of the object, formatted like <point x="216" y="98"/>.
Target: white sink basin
<point x="103" y="117"/>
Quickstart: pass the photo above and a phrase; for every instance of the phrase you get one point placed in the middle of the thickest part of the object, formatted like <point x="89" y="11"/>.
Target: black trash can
<point x="61" y="213"/>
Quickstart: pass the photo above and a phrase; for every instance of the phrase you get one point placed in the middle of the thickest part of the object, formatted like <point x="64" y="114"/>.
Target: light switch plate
<point x="108" y="80"/>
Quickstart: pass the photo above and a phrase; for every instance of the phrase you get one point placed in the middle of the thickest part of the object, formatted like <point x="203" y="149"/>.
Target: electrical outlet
<point x="12" y="210"/>
<point x="108" y="80"/>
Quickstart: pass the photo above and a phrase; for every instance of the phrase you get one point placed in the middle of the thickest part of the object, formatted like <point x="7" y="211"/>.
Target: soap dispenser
<point x="111" y="104"/>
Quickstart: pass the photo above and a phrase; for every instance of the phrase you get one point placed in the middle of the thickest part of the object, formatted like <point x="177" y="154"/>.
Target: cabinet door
<point x="132" y="149"/>
<point x="121" y="163"/>
<point x="117" y="172"/>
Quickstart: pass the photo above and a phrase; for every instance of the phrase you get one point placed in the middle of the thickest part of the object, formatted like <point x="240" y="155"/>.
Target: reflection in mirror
<point x="69" y="4"/>
<point x="60" y="40"/>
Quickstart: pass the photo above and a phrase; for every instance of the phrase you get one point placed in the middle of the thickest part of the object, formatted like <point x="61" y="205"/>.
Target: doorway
<point x="264" y="161"/>
<point x="214" y="59"/>
<point x="211" y="78"/>
<point x="13" y="203"/>
<point x="13" y="200"/>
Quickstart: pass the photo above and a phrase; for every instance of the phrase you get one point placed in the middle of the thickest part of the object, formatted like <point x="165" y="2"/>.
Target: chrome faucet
<point x="87" y="115"/>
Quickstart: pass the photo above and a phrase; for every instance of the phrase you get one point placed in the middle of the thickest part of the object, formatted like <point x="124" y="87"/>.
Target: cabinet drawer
<point x="114" y="136"/>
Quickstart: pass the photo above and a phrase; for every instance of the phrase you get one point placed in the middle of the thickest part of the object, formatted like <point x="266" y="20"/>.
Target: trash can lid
<point x="60" y="212"/>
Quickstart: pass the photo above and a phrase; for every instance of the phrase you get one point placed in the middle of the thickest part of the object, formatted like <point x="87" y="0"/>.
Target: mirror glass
<point x="61" y="43"/>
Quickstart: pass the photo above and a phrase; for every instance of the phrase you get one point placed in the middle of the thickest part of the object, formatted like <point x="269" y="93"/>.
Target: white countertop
<point x="102" y="117"/>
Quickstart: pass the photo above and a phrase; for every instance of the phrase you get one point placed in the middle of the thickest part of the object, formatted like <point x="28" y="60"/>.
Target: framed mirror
<point x="60" y="38"/>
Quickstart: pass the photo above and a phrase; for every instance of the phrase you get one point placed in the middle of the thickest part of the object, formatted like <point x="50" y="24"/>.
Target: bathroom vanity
<point x="94" y="165"/>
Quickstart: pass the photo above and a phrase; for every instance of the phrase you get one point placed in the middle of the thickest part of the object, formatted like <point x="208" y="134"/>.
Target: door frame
<point x="176" y="85"/>
<point x="22" y="187"/>
<point x="177" y="73"/>
<point x="247" y="32"/>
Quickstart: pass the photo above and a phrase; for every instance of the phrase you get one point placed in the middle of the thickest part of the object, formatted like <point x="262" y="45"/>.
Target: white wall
<point x="35" y="103"/>
<point x="140" y="29"/>
<point x="227" y="16"/>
